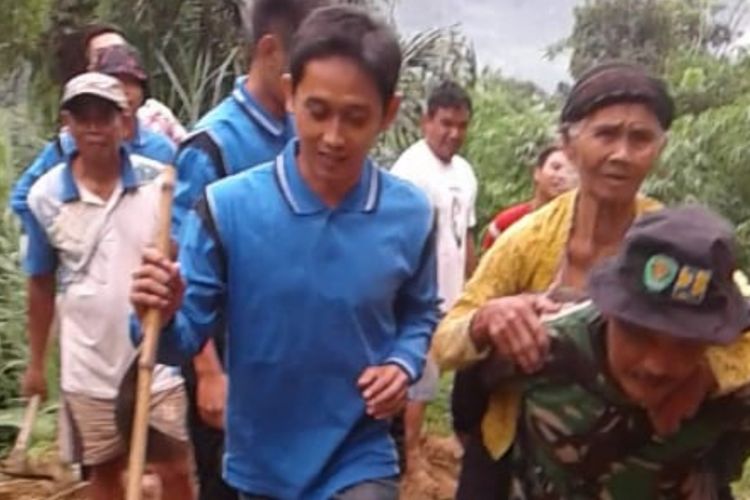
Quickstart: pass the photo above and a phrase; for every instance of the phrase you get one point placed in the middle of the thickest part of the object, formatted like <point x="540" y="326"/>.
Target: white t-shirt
<point x="452" y="190"/>
<point x="98" y="244"/>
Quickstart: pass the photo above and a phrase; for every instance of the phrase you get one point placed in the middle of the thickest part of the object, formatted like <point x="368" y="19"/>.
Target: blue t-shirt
<point x="234" y="136"/>
<point x="310" y="296"/>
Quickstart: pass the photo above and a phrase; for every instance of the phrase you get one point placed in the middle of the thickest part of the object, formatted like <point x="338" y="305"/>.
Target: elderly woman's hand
<point x="512" y="326"/>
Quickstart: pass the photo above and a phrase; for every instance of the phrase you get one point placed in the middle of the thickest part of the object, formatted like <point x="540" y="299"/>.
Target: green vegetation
<point x="438" y="416"/>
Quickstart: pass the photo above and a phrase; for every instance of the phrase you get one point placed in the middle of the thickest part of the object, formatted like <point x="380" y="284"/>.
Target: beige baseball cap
<point x="96" y="84"/>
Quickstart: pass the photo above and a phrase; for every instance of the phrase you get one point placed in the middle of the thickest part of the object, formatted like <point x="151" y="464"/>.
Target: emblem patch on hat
<point x="659" y="272"/>
<point x="691" y="285"/>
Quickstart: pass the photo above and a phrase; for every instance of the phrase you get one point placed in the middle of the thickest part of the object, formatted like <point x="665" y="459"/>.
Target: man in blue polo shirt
<point x="249" y="127"/>
<point x="321" y="268"/>
<point x="122" y="62"/>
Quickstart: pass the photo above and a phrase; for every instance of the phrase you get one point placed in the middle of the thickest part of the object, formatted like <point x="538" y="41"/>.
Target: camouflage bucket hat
<point x="674" y="274"/>
<point x="120" y="60"/>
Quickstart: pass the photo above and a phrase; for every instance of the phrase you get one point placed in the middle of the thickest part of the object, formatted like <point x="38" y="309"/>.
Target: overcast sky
<point x="508" y="34"/>
<point x="511" y="34"/>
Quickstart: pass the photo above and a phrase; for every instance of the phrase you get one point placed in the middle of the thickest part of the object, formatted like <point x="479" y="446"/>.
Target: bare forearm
<point x="41" y="311"/>
<point x="207" y="361"/>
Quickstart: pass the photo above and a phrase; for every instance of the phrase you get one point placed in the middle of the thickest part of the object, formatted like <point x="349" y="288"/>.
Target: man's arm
<point x="196" y="163"/>
<point x="40" y="264"/>
<point x="417" y="313"/>
<point x="416" y="307"/>
<point x="40" y="314"/>
<point x="192" y="319"/>
<point x="211" y="386"/>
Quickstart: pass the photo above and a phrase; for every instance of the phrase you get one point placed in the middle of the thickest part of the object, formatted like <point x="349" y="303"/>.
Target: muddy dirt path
<point x="435" y="480"/>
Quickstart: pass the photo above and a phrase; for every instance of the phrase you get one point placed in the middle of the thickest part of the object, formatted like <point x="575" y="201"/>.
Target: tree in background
<point x="193" y="49"/>
<point x="647" y="31"/>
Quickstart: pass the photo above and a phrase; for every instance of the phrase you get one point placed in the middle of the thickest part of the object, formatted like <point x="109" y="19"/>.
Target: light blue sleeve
<point x="195" y="171"/>
<point x="202" y="312"/>
<point x="417" y="313"/>
<point x="39" y="256"/>
<point x="161" y="149"/>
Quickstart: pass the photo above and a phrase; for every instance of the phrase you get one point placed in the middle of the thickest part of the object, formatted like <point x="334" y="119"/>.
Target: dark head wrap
<point x="618" y="82"/>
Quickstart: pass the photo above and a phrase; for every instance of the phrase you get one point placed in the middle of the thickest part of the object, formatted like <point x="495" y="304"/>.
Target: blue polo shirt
<point x="310" y="296"/>
<point x="234" y="136"/>
<point x="146" y="143"/>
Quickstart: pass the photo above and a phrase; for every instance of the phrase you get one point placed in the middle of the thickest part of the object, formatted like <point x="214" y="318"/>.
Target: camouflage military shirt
<point x="580" y="438"/>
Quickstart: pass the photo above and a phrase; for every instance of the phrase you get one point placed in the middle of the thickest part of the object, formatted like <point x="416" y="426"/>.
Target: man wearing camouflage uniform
<point x="585" y="429"/>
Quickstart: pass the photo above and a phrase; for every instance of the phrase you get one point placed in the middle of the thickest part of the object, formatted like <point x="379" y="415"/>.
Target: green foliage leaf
<point x="511" y="123"/>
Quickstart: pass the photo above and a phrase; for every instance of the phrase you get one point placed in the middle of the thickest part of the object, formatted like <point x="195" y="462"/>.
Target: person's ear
<point x="270" y="49"/>
<point x="288" y="89"/>
<point x="391" y="110"/>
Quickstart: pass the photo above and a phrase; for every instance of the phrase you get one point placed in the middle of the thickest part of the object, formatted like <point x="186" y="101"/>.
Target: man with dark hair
<point x="91" y="216"/>
<point x="448" y="94"/>
<point x="248" y="128"/>
<point x="320" y="269"/>
<point x="433" y="164"/>
<point x="553" y="175"/>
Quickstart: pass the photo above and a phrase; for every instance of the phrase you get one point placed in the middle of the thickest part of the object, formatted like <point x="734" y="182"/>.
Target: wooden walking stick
<point x="151" y="327"/>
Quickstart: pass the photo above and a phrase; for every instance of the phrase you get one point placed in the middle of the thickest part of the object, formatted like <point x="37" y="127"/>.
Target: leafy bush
<point x="706" y="162"/>
<point x="701" y="82"/>
<point x="511" y="123"/>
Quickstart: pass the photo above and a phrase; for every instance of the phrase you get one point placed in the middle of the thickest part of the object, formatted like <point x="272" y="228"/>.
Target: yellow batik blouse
<point x="526" y="258"/>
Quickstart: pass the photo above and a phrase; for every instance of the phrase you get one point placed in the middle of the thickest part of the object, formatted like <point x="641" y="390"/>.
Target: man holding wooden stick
<point x="92" y="217"/>
<point x="320" y="268"/>
<point x="249" y="127"/>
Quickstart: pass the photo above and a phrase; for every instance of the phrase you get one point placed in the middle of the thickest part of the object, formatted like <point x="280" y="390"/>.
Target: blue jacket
<point x="309" y="296"/>
<point x="234" y="136"/>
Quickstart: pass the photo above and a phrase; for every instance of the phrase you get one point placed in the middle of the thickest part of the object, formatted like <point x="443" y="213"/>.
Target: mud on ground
<point x="435" y="479"/>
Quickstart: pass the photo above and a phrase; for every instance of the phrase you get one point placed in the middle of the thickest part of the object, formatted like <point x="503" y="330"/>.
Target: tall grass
<point x="20" y="140"/>
<point x="13" y="346"/>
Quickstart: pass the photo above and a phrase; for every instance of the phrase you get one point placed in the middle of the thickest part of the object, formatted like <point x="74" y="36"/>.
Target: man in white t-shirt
<point x="93" y="215"/>
<point x="449" y="182"/>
